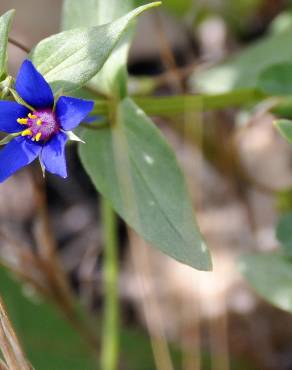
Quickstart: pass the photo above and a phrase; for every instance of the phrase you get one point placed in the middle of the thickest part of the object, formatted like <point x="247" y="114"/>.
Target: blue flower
<point x="42" y="131"/>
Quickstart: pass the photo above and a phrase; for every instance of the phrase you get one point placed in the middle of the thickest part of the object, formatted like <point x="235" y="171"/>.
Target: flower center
<point x="40" y="125"/>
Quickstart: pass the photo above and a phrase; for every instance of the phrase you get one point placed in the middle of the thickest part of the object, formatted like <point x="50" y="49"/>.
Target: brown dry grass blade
<point x="10" y="345"/>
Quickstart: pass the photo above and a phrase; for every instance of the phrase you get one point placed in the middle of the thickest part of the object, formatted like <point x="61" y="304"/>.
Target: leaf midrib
<point x="168" y="219"/>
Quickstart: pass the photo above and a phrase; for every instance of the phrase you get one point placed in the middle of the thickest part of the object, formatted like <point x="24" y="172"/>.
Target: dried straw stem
<point x="10" y="345"/>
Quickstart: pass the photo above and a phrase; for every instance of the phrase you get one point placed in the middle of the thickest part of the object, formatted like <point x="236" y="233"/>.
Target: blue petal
<point x="9" y="112"/>
<point x="71" y="111"/>
<point x="32" y="87"/>
<point x="17" y="154"/>
<point x="53" y="155"/>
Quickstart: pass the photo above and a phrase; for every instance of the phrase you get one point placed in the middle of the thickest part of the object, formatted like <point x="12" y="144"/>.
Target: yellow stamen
<point x="32" y="116"/>
<point x="39" y="122"/>
<point x="22" y="121"/>
<point x="38" y="136"/>
<point x="26" y="132"/>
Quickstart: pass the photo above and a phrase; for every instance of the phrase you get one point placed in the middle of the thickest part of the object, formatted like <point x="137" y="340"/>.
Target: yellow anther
<point x="22" y="121"/>
<point x="26" y="132"/>
<point x="32" y="116"/>
<point x="38" y="136"/>
<point x="39" y="122"/>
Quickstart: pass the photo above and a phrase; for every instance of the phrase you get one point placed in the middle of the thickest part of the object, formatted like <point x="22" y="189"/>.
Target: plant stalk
<point x="110" y="330"/>
<point x="19" y="45"/>
<point x="168" y="106"/>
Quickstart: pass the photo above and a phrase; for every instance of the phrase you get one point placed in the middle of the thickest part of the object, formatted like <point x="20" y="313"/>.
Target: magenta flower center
<point x="40" y="125"/>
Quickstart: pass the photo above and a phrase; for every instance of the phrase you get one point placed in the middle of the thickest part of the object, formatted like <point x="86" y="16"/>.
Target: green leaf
<point x="5" y="24"/>
<point x="270" y="274"/>
<point x="285" y="128"/>
<point x="49" y="341"/>
<point x="71" y="58"/>
<point x="132" y="165"/>
<point x="112" y="79"/>
<point x="277" y="79"/>
<point x="284" y="233"/>
<point x="94" y="12"/>
<point x="243" y="70"/>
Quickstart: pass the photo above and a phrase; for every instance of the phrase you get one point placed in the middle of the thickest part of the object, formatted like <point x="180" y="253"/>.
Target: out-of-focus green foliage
<point x="282" y="23"/>
<point x="179" y="7"/>
<point x="5" y="24"/>
<point x="285" y="128"/>
<point x="284" y="200"/>
<point x="284" y="233"/>
<point x="270" y="274"/>
<point x="198" y="10"/>
<point x="276" y="79"/>
<point x="49" y="340"/>
<point x="52" y="344"/>
<point x="136" y="348"/>
<point x="240" y="13"/>
<point x="244" y="69"/>
<point x="284" y="108"/>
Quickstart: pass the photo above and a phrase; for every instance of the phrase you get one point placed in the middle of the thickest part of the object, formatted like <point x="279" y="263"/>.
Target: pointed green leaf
<point x="5" y="24"/>
<point x="94" y="12"/>
<point x="285" y="128"/>
<point x="71" y="58"/>
<point x="112" y="78"/>
<point x="270" y="274"/>
<point x="132" y="165"/>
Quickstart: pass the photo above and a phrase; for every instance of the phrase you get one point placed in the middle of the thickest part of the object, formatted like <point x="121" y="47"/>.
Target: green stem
<point x="110" y="334"/>
<point x="232" y="98"/>
<point x="171" y="105"/>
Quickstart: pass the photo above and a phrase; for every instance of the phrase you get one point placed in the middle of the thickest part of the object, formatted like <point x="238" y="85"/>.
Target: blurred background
<point x="239" y="173"/>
